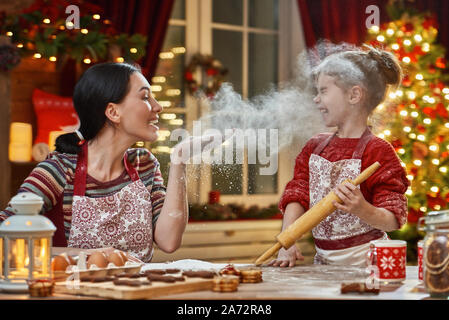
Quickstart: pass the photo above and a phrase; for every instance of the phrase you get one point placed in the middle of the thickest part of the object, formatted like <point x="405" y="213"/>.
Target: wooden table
<point x="300" y="282"/>
<point x="314" y="282"/>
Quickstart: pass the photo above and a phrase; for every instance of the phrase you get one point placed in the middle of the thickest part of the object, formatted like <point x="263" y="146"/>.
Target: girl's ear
<point x="355" y="95"/>
<point x="112" y="112"/>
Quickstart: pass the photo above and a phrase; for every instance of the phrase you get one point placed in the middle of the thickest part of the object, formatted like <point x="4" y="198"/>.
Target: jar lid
<point x="437" y="217"/>
<point x="26" y="198"/>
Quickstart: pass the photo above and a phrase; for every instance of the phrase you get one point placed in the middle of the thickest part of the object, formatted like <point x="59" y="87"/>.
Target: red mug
<point x="420" y="255"/>
<point x="389" y="258"/>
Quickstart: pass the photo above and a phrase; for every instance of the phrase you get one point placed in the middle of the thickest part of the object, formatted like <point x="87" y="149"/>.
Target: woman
<point x="97" y="191"/>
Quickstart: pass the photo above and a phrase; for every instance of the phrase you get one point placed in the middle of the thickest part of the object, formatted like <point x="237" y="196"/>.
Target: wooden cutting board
<point x="112" y="291"/>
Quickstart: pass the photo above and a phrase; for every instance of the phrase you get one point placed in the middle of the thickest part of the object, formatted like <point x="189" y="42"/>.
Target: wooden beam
<point x="5" y="115"/>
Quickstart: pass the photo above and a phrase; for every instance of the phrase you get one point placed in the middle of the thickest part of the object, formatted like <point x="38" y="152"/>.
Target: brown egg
<point x="61" y="262"/>
<point x="71" y="260"/>
<point x="124" y="257"/>
<point x="98" y="259"/>
<point x="116" y="258"/>
<point x="58" y="263"/>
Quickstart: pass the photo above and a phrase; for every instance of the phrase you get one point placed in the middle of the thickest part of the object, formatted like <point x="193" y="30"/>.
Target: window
<point x="245" y="39"/>
<point x="251" y="40"/>
<point x="167" y="86"/>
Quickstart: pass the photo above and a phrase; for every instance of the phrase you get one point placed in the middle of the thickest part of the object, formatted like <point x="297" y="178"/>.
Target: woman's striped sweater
<point x="53" y="180"/>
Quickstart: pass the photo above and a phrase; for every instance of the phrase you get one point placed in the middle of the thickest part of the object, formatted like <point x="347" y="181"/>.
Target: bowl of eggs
<point x="93" y="263"/>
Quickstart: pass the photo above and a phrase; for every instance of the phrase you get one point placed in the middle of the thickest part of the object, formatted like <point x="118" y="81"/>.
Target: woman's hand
<point x="352" y="197"/>
<point x="287" y="257"/>
<point x="193" y="146"/>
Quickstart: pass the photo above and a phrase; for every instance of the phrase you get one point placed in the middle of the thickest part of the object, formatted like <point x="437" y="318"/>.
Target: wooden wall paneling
<point x="16" y="88"/>
<point x="29" y="74"/>
<point x="5" y="167"/>
<point x="5" y="101"/>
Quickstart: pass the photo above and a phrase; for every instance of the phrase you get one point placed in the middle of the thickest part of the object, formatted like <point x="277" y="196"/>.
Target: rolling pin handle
<point x="271" y="251"/>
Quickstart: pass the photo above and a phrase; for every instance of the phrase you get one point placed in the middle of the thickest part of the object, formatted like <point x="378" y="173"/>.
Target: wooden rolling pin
<point x="312" y="217"/>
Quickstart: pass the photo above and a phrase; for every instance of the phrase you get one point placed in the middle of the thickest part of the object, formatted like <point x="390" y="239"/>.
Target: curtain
<point x="337" y="20"/>
<point x="147" y="17"/>
<point x="344" y="20"/>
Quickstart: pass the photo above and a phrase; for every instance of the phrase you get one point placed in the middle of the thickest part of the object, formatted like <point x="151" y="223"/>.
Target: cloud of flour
<point x="289" y="109"/>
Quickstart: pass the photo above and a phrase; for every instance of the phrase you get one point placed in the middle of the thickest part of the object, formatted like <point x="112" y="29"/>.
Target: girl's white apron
<point x="340" y="238"/>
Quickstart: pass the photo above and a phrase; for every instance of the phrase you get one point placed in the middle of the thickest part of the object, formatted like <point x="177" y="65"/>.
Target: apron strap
<point x="79" y="185"/>
<point x="132" y="172"/>
<point x="359" y="149"/>
<point x="363" y="142"/>
<point x="323" y="144"/>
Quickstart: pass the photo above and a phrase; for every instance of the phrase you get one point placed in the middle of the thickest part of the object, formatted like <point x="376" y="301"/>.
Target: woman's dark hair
<point x="99" y="85"/>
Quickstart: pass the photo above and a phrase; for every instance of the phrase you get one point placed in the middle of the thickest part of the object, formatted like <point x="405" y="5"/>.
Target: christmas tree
<point x="415" y="119"/>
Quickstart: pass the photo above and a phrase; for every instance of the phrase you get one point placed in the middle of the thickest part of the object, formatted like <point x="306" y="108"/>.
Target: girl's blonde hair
<point x="374" y="70"/>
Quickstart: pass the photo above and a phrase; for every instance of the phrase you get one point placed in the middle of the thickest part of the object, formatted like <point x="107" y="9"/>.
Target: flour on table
<point x="188" y="264"/>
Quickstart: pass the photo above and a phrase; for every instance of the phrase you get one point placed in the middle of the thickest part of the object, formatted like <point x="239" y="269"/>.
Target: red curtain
<point x="337" y="20"/>
<point x="147" y="17"/>
<point x="344" y="20"/>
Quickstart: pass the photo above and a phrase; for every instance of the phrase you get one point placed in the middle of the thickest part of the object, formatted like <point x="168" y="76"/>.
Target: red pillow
<point x="53" y="113"/>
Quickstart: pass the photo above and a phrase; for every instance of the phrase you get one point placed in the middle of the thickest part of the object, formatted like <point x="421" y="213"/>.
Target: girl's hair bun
<point x="388" y="65"/>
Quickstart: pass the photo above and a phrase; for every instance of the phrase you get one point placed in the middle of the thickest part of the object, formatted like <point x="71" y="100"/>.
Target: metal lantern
<point x="25" y="244"/>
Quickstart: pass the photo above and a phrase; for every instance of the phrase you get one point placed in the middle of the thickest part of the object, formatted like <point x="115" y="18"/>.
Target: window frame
<point x="199" y="29"/>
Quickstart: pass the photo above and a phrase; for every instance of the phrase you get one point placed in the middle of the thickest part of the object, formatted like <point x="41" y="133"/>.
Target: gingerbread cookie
<point x="161" y="278"/>
<point x="358" y="288"/>
<point x="131" y="283"/>
<point x="172" y="270"/>
<point x="136" y="275"/>
<point x="225" y="283"/>
<point x="97" y="278"/>
<point x="103" y="279"/>
<point x="199" y="274"/>
<point x="252" y="275"/>
<point x="230" y="270"/>
<point x="154" y="271"/>
<point x="122" y="275"/>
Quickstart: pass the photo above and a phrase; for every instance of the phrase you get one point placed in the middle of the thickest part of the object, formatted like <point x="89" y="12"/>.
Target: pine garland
<point x="41" y="31"/>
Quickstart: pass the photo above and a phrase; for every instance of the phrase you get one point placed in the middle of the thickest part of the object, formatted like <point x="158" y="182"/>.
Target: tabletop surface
<point x="299" y="282"/>
<point x="314" y="282"/>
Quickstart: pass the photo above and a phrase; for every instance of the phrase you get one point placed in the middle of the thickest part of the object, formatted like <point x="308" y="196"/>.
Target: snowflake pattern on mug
<point x="392" y="262"/>
<point x="387" y="263"/>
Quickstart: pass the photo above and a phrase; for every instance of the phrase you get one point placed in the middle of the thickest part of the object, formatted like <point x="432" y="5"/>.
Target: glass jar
<point x="436" y="253"/>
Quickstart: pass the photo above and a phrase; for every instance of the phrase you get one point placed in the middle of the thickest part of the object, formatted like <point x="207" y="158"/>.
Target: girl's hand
<point x="287" y="257"/>
<point x="352" y="197"/>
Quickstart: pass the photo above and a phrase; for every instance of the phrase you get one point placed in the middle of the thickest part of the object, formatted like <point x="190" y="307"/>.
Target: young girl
<point x="349" y="86"/>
